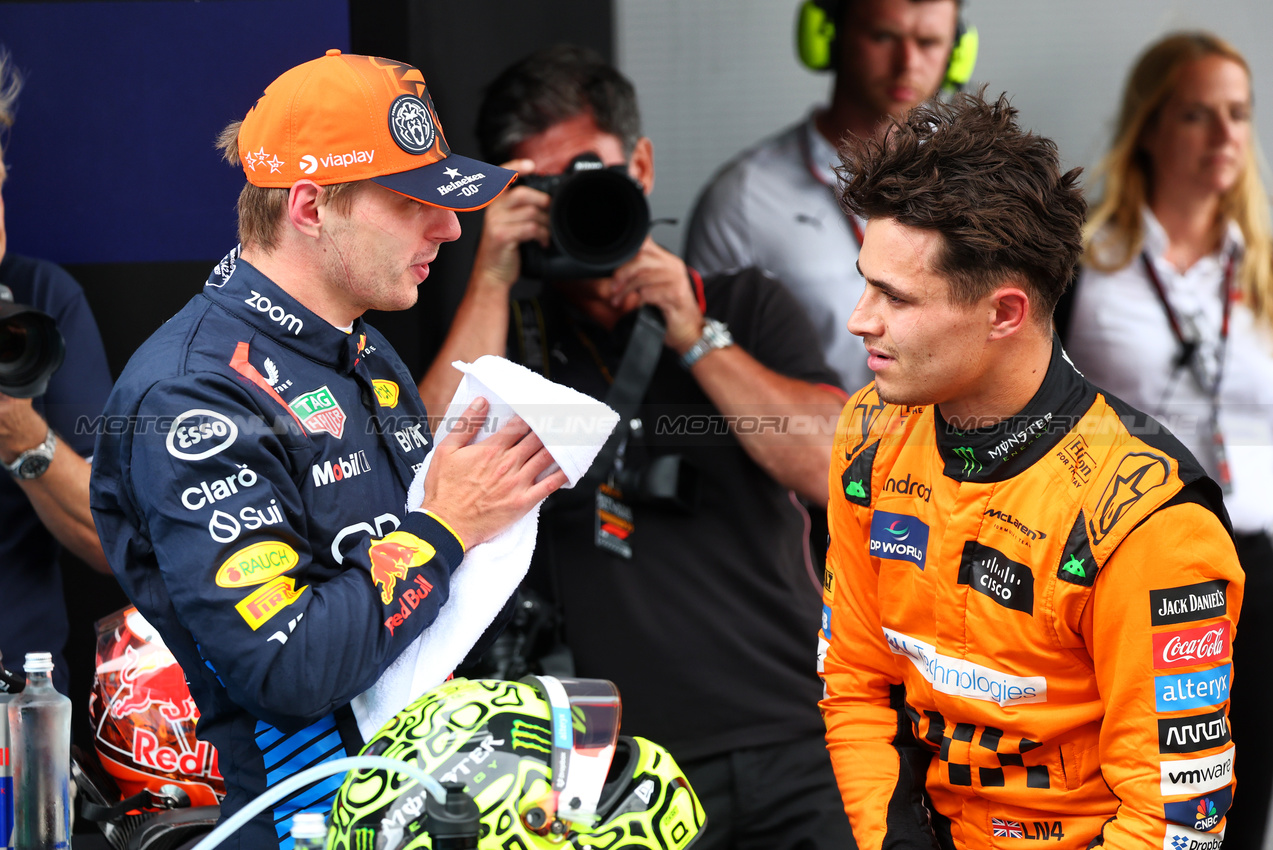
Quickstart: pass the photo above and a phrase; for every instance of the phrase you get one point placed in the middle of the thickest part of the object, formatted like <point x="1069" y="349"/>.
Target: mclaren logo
<point x="1137" y="474"/>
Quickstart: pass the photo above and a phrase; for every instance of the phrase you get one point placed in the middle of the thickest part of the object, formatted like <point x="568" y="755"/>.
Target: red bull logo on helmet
<point x="152" y="679"/>
<point x="392" y="556"/>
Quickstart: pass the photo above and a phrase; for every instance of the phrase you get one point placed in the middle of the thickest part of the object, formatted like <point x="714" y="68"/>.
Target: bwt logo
<point x="899" y="537"/>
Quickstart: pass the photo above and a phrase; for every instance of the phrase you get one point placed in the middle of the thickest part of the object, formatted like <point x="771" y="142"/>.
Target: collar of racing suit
<point x="1007" y="448"/>
<point x="240" y="289"/>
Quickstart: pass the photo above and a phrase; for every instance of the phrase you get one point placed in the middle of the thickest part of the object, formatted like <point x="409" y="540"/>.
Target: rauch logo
<point x="899" y="537"/>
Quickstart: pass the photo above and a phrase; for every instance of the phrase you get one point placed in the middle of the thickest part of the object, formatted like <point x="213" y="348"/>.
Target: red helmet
<point x="143" y="716"/>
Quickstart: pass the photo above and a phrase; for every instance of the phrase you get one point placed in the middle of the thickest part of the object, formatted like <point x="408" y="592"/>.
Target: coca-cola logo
<point x="1204" y="644"/>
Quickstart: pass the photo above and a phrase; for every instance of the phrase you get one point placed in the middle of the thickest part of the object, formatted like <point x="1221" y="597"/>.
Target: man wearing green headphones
<point x="774" y="206"/>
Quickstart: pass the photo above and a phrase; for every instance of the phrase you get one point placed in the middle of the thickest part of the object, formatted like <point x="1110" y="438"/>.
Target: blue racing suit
<point x="249" y="486"/>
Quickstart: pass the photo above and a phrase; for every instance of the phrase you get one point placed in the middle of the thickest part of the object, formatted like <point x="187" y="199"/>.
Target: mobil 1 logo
<point x="1189" y="602"/>
<point x="990" y="572"/>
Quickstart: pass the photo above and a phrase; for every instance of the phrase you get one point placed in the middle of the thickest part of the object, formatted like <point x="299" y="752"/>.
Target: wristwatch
<point x="33" y="463"/>
<point x="715" y="335"/>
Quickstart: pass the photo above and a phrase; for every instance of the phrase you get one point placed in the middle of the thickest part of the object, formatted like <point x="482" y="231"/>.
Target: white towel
<point x="573" y="427"/>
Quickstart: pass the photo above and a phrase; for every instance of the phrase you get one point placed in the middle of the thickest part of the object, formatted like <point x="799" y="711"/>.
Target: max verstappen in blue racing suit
<point x="251" y="476"/>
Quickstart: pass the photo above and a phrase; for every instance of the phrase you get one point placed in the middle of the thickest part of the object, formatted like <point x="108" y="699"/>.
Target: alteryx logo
<point x="1199" y="689"/>
<point x="899" y="537"/>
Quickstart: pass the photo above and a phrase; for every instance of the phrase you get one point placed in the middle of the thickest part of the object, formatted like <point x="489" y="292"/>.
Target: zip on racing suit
<point x="1027" y="629"/>
<point x="249" y="486"/>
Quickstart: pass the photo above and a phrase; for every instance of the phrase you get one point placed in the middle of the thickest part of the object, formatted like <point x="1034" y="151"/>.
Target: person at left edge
<point x="254" y="507"/>
<point x="44" y="496"/>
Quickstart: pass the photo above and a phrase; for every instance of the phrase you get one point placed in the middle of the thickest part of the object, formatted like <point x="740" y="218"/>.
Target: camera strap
<point x="636" y="369"/>
<point x="613" y="515"/>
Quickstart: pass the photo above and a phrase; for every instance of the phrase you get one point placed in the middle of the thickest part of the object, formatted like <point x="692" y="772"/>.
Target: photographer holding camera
<point x="44" y="495"/>
<point x="678" y="563"/>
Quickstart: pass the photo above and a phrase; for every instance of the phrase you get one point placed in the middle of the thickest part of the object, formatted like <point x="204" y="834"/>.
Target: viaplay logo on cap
<point x="410" y="124"/>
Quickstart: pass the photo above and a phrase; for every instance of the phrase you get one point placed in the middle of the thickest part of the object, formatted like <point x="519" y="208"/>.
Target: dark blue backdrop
<point x="112" y="157"/>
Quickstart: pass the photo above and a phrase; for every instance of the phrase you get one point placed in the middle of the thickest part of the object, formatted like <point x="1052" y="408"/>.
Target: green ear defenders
<point x="815" y="43"/>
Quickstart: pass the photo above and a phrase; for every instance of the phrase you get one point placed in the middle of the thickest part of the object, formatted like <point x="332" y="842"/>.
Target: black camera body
<point x="31" y="348"/>
<point x="598" y="219"/>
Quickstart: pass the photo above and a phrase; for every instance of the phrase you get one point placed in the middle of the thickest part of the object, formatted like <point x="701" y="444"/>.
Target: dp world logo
<point x="898" y="530"/>
<point x="899" y="537"/>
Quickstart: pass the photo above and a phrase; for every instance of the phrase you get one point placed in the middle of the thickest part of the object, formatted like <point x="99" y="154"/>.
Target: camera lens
<point x="13" y="344"/>
<point x="31" y="350"/>
<point x="600" y="218"/>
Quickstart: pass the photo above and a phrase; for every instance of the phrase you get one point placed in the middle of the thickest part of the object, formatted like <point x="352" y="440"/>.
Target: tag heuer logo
<point x="320" y="412"/>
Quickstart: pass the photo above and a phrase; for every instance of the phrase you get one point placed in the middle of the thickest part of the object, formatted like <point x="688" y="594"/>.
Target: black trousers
<point x="777" y="797"/>
<point x="1252" y="698"/>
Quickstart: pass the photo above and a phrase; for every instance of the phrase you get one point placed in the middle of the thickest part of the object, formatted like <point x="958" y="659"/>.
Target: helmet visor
<point x="585" y="717"/>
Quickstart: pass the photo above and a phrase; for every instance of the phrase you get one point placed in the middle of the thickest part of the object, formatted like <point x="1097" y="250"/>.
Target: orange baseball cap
<point x="342" y="118"/>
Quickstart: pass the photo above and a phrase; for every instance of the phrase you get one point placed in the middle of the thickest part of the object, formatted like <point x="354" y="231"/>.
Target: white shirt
<point x="774" y="206"/>
<point x="1122" y="341"/>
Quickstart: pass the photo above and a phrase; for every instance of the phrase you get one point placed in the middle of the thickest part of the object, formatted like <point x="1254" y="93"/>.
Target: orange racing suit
<point x="1027" y="629"/>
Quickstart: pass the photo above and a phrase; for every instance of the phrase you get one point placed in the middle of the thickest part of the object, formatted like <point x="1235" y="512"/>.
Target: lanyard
<point x="1188" y="357"/>
<point x="806" y="151"/>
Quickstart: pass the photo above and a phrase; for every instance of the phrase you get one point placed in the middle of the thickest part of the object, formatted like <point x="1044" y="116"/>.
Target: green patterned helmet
<point x="543" y="761"/>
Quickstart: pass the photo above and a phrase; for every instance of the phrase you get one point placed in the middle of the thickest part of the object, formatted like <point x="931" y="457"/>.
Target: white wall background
<point x="713" y="76"/>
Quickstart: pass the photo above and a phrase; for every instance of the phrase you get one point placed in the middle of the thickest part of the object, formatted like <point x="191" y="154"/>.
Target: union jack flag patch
<point x="1007" y="828"/>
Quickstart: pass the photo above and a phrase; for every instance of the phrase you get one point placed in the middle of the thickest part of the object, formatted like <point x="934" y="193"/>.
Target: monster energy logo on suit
<point x="969" y="456"/>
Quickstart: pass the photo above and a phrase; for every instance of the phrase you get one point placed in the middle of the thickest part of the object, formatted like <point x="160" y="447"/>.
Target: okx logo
<point x="899" y="537"/>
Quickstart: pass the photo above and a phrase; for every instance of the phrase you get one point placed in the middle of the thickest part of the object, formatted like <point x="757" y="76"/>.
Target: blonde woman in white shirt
<point x="1173" y="313"/>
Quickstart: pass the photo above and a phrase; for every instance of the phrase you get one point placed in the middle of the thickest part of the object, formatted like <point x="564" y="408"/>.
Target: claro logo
<point x="209" y="492"/>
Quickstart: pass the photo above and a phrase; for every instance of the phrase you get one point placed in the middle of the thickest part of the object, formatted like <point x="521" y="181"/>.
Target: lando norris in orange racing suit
<point x="1032" y="590"/>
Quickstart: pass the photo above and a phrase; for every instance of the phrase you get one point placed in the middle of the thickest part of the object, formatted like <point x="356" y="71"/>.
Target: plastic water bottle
<point x="309" y="831"/>
<point x="40" y="732"/>
<point x="10" y="686"/>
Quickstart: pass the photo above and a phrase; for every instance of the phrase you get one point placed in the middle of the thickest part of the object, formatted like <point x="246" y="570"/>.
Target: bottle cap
<point x="307" y="825"/>
<point x="38" y="662"/>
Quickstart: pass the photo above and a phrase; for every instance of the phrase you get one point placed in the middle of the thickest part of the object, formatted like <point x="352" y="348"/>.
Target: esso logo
<point x="197" y="434"/>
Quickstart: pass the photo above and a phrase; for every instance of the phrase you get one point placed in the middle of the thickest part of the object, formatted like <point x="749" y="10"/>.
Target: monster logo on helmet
<point x="541" y="759"/>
